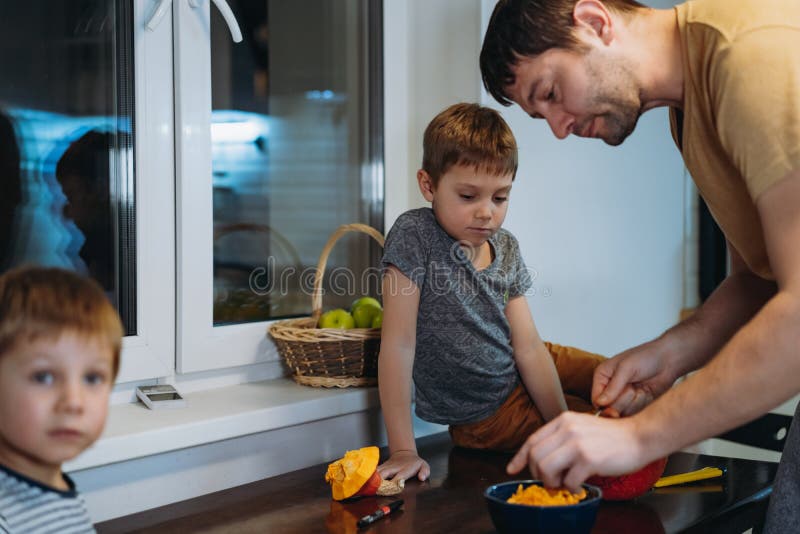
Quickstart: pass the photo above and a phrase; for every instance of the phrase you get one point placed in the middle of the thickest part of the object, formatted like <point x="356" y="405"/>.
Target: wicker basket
<point x="329" y="357"/>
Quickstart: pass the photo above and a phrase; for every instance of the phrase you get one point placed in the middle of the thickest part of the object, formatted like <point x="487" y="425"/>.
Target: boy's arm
<point x="395" y="362"/>
<point x="534" y="362"/>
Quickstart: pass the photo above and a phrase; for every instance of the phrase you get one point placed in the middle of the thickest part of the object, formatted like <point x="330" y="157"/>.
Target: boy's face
<point x="469" y="204"/>
<point x="53" y="400"/>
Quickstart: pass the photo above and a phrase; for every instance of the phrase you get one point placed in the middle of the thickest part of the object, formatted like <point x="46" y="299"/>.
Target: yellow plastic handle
<point x="691" y="476"/>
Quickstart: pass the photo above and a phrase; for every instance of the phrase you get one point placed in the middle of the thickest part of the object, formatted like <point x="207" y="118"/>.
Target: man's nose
<point x="561" y="123"/>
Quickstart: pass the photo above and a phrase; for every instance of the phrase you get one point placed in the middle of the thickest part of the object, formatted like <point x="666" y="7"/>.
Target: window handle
<point x="158" y="14"/>
<point x="227" y="14"/>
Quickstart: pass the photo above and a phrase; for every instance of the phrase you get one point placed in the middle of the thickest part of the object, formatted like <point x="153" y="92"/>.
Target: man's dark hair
<point x="520" y="28"/>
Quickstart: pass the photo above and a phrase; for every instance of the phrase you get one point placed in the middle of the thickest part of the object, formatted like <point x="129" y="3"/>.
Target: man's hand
<point x="575" y="446"/>
<point x="631" y="380"/>
<point x="404" y="465"/>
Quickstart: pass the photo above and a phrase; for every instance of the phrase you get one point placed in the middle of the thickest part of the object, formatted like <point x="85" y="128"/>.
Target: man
<point x="730" y="72"/>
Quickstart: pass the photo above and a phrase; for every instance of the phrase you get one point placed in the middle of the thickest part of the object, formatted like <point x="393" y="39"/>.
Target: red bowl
<point x="632" y="485"/>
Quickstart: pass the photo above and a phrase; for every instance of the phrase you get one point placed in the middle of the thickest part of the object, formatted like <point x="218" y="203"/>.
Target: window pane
<point x="66" y="152"/>
<point x="293" y="129"/>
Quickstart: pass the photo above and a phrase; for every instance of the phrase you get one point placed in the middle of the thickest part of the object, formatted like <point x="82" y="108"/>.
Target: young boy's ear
<point x="426" y="186"/>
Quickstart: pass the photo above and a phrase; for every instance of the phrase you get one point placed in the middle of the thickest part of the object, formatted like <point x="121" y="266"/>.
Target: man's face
<point x="585" y="94"/>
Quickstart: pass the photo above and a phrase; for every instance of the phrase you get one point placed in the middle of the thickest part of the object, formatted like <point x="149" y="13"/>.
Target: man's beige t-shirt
<point x="741" y="109"/>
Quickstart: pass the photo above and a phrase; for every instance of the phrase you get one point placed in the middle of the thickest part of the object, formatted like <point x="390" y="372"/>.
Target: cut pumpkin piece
<point x="356" y="474"/>
<point x="348" y="474"/>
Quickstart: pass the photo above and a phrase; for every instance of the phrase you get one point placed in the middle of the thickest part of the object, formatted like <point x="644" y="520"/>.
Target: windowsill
<point x="134" y="431"/>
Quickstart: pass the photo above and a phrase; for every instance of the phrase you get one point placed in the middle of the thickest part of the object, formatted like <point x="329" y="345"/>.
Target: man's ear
<point x="593" y="17"/>
<point x="426" y="186"/>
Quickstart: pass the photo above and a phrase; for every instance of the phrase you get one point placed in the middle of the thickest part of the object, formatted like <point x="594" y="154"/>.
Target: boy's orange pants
<point x="518" y="417"/>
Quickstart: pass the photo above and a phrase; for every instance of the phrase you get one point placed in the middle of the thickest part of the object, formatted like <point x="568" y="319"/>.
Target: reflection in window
<point x="294" y="141"/>
<point x="66" y="141"/>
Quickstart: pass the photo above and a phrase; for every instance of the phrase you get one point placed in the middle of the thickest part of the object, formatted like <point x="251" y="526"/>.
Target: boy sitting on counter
<point x="456" y="320"/>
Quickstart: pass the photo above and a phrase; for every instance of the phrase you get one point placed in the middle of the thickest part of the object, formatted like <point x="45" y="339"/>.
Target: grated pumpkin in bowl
<point x="535" y="495"/>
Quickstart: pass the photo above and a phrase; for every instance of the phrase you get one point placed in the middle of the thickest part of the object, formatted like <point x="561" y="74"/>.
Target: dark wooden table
<point x="452" y="501"/>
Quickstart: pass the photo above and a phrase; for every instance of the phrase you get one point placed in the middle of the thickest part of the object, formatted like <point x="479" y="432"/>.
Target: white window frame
<point x="151" y="352"/>
<point x="174" y="210"/>
<point x="201" y="346"/>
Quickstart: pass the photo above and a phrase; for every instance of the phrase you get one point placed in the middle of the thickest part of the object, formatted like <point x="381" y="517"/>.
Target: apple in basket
<point x="365" y="311"/>
<point x="338" y="318"/>
<point x="364" y="300"/>
<point x="377" y="321"/>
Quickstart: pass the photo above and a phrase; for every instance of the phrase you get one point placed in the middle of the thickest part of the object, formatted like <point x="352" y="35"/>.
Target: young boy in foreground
<point x="60" y="340"/>
<point x="456" y="319"/>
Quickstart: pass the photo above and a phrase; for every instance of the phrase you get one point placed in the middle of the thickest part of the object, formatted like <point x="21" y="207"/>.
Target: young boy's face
<point x="469" y="204"/>
<point x="53" y="400"/>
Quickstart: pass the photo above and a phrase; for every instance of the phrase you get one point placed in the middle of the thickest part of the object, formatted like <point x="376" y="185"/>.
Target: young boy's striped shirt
<point x="29" y="507"/>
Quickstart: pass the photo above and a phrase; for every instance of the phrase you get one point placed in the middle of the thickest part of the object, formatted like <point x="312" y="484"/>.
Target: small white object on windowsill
<point x="160" y="396"/>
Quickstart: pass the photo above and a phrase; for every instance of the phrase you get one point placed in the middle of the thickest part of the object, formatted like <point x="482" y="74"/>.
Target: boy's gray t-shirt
<point x="464" y="366"/>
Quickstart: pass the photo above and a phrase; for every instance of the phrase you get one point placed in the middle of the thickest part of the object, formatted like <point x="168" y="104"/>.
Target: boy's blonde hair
<point x="43" y="303"/>
<point x="471" y="135"/>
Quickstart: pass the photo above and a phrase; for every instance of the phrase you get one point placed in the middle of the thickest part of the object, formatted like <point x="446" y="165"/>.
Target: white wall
<point x="431" y="61"/>
<point x="602" y="227"/>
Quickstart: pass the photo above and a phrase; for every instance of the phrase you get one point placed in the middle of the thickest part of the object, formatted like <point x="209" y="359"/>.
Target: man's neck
<point x="660" y="59"/>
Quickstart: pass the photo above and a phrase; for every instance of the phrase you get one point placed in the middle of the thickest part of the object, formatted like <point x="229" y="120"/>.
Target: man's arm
<point x="734" y="302"/>
<point x="755" y="371"/>
<point x="760" y="367"/>
<point x="629" y="386"/>
<point x="534" y="362"/>
<point x="395" y="363"/>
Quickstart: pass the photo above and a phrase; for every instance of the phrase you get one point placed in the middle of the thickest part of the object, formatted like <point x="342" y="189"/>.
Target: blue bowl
<point x="522" y="518"/>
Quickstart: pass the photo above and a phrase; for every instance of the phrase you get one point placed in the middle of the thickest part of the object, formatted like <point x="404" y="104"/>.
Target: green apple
<point x="377" y="321"/>
<point x="338" y="318"/>
<point x="364" y="300"/>
<point x="365" y="313"/>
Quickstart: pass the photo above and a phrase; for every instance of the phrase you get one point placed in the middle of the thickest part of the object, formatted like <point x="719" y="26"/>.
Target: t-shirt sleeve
<point x="522" y="280"/>
<point x="405" y="248"/>
<point x="756" y="84"/>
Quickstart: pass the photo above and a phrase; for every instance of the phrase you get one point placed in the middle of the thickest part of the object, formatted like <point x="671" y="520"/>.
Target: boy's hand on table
<point x="404" y="465"/>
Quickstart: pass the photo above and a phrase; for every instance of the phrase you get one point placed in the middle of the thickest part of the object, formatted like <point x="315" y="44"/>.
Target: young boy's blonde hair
<point x="471" y="135"/>
<point x="43" y="303"/>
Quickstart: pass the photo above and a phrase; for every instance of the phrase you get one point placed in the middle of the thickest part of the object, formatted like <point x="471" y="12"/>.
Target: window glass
<point x="66" y="141"/>
<point x="292" y="149"/>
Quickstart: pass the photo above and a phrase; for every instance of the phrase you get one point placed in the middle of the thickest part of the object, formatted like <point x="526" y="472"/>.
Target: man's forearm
<point x="693" y="342"/>
<point x="755" y="372"/>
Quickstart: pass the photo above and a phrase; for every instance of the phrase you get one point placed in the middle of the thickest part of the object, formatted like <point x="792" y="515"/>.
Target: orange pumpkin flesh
<point x="349" y="474"/>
